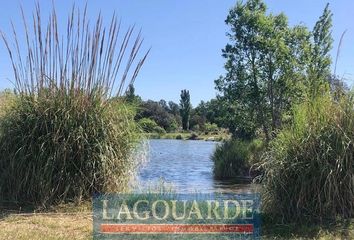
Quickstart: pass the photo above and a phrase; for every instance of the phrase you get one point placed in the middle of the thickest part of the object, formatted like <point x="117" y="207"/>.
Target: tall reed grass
<point x="65" y="138"/>
<point x="309" y="167"/>
<point x="234" y="158"/>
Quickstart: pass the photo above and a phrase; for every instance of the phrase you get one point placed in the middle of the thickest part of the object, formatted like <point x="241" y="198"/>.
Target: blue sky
<point x="186" y="38"/>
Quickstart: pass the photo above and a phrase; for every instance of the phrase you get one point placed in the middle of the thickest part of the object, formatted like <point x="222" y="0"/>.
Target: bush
<point x="148" y="125"/>
<point x="153" y="110"/>
<point x="233" y="158"/>
<point x="173" y="126"/>
<point x="193" y="136"/>
<point x="179" y="137"/>
<point x="211" y="127"/>
<point x="308" y="170"/>
<point x="195" y="128"/>
<point x="65" y="138"/>
<point x="55" y="149"/>
<point x="159" y="130"/>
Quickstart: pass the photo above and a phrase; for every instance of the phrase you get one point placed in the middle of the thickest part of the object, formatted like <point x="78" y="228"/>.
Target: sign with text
<point x="176" y="216"/>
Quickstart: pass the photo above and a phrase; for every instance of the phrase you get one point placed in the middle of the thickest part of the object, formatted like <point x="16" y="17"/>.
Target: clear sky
<point x="186" y="38"/>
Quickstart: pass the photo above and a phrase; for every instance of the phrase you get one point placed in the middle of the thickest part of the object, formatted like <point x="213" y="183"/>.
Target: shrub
<point x="211" y="127"/>
<point x="179" y="137"/>
<point x="65" y="138"/>
<point x="148" y="125"/>
<point x="159" y="129"/>
<point x="193" y="136"/>
<point x="233" y="158"/>
<point x="173" y="126"/>
<point x="155" y="111"/>
<point x="195" y="127"/>
<point x="57" y="149"/>
<point x="308" y="170"/>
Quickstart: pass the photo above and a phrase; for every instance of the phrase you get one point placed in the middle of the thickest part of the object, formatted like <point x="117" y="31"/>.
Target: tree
<point x="130" y="95"/>
<point x="215" y="111"/>
<point x="198" y="116"/>
<point x="173" y="108"/>
<point x="156" y="112"/>
<point x="185" y="109"/>
<point x="337" y="87"/>
<point x="163" y="104"/>
<point x="262" y="60"/>
<point x="320" y="59"/>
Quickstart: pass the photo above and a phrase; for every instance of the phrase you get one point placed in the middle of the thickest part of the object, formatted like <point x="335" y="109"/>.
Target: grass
<point x="340" y="230"/>
<point x="75" y="222"/>
<point x="7" y="99"/>
<point x="53" y="226"/>
<point x="68" y="133"/>
<point x="234" y="158"/>
<point x="308" y="170"/>
<point x="47" y="157"/>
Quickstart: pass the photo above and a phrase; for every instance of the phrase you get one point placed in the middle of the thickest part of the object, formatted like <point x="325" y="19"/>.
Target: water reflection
<point x="187" y="166"/>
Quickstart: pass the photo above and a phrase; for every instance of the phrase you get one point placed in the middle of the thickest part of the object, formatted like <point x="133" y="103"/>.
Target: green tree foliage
<point x="130" y="96"/>
<point x="197" y="121"/>
<point x="156" y="112"/>
<point x="164" y="105"/>
<point x="211" y="127"/>
<point x="267" y="63"/>
<point x="199" y="116"/>
<point x="319" y="58"/>
<point x="214" y="111"/>
<point x="222" y="112"/>
<point x="185" y="109"/>
<point x="150" y="126"/>
<point x="337" y="87"/>
<point x="164" y="115"/>
<point x="173" y="108"/>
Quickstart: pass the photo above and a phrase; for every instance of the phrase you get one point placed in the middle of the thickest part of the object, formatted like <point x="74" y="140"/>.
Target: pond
<point x="187" y="166"/>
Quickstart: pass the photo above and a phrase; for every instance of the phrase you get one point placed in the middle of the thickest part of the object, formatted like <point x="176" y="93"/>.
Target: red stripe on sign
<point x="177" y="228"/>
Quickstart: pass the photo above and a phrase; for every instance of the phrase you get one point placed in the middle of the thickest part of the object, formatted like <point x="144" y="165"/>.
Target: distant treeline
<point x="162" y="116"/>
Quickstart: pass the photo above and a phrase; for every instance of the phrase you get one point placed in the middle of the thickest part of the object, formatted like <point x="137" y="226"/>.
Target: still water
<point x="187" y="166"/>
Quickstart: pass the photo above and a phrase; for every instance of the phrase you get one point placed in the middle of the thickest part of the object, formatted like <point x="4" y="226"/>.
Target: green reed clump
<point x="69" y="134"/>
<point x="57" y="148"/>
<point x="308" y="169"/>
<point x="234" y="157"/>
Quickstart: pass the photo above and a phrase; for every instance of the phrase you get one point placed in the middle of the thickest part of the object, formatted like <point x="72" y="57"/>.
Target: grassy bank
<point x="190" y="136"/>
<point x="72" y="222"/>
<point x="61" y="222"/>
<point x="339" y="230"/>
